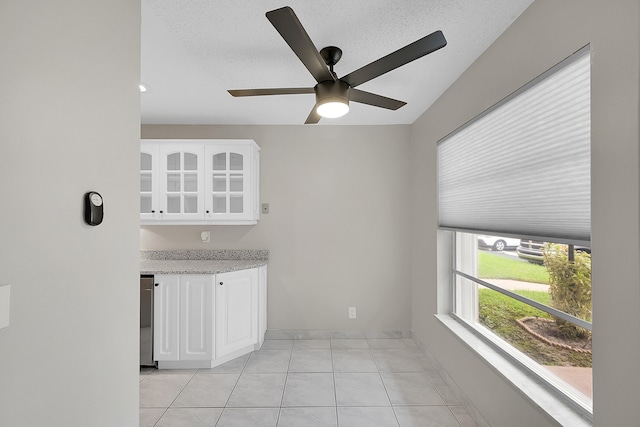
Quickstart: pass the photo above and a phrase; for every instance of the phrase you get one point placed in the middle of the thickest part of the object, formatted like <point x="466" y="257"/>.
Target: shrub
<point x="570" y="287"/>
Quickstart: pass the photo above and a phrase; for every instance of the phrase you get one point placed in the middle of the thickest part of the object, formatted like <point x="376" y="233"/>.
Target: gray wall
<point x="543" y="35"/>
<point x="69" y="123"/>
<point x="338" y="227"/>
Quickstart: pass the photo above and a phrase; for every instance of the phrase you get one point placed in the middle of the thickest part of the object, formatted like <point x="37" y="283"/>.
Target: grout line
<point x="164" y="412"/>
<point x="286" y="377"/>
<point x="181" y="390"/>
<point x="234" y="387"/>
<point x="219" y="416"/>
<point x="454" y="416"/>
<point x="237" y="381"/>
<point x="173" y="401"/>
<point x="389" y="397"/>
<point x="335" y="388"/>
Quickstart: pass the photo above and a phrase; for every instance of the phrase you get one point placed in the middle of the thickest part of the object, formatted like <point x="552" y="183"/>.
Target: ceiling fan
<point x="332" y="93"/>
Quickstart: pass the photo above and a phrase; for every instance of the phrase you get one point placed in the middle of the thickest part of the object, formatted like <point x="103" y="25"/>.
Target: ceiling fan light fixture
<point x="333" y="109"/>
<point x="332" y="99"/>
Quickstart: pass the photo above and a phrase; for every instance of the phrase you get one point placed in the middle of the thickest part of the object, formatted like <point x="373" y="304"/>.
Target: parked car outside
<point x="533" y="250"/>
<point x="497" y="243"/>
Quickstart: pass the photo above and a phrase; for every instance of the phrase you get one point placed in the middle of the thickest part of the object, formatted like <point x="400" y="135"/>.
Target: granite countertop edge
<point x="201" y="262"/>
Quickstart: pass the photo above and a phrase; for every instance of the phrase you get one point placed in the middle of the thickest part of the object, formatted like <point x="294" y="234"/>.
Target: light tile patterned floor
<point x="306" y="383"/>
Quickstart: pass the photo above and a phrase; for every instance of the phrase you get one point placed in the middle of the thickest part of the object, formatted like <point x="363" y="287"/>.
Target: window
<point x="521" y="170"/>
<point x="523" y="302"/>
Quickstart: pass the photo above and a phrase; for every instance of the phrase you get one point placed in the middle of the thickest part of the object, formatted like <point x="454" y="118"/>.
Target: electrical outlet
<point x="265" y="208"/>
<point x="205" y="236"/>
<point x="352" y="312"/>
<point x="5" y="297"/>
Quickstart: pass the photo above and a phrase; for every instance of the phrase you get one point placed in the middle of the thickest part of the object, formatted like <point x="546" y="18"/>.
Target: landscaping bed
<point x="504" y="315"/>
<point x="500" y="314"/>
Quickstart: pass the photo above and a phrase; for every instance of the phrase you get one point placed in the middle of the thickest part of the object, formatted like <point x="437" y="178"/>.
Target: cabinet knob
<point x="207" y="211"/>
<point x="153" y="211"/>
<point x="221" y="283"/>
<point x="161" y="211"/>
<point x="156" y="284"/>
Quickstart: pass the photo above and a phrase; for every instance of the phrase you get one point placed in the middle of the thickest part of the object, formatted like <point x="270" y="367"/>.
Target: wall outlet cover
<point x="5" y="297"/>
<point x="352" y="312"/>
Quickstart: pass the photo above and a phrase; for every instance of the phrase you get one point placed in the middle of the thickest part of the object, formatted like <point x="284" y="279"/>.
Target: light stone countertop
<point x="200" y="262"/>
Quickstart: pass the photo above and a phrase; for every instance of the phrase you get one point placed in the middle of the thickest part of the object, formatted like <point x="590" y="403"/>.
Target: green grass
<point x="499" y="312"/>
<point x="539" y="296"/>
<point x="492" y="266"/>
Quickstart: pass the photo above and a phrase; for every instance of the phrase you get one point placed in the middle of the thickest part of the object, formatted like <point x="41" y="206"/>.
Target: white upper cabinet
<point x="199" y="182"/>
<point x="148" y="182"/>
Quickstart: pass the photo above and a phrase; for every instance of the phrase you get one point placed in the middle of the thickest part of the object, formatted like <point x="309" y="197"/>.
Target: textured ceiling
<point x="194" y="50"/>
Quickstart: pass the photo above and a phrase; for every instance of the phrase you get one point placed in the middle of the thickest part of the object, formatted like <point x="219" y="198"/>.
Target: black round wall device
<point x="93" y="208"/>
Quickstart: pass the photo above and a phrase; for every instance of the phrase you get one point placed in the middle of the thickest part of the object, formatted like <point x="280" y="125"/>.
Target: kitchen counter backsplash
<point x="205" y="254"/>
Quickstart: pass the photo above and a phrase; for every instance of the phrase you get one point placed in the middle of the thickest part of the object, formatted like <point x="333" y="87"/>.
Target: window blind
<point x="522" y="168"/>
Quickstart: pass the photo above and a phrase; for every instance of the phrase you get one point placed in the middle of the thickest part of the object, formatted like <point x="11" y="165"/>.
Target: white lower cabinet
<point x="196" y="317"/>
<point x="262" y="303"/>
<point x="166" y="302"/>
<point x="236" y="311"/>
<point x="202" y="321"/>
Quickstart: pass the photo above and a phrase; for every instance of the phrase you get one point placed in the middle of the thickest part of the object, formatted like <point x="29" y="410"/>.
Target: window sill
<point x="562" y="410"/>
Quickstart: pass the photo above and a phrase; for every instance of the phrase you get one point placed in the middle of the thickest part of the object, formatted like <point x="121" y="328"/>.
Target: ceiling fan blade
<point x="369" y="98"/>
<point x="313" y="118"/>
<point x="274" y="91"/>
<point x="287" y="24"/>
<point x="400" y="57"/>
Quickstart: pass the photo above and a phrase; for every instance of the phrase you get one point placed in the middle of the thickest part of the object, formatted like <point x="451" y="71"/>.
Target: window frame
<point x="528" y="374"/>
<point x="552" y="383"/>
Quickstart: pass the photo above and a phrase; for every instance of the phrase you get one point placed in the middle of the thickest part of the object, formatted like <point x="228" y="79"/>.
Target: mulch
<point x="547" y="331"/>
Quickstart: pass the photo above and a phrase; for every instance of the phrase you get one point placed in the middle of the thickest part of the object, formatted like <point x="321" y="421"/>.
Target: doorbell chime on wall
<point x="93" y="208"/>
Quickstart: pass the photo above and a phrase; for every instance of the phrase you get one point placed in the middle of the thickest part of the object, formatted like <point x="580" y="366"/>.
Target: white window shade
<point x="522" y="168"/>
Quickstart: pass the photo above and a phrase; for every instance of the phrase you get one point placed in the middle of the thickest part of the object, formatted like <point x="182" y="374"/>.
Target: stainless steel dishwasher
<point x="146" y="321"/>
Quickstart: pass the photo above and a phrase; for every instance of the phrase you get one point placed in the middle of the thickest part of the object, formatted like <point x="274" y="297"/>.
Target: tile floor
<point x="306" y="383"/>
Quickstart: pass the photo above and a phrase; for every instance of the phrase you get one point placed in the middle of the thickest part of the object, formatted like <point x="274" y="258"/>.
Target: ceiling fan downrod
<point x="331" y="56"/>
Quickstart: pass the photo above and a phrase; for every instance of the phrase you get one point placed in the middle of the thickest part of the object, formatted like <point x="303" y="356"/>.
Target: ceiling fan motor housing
<point x="332" y="91"/>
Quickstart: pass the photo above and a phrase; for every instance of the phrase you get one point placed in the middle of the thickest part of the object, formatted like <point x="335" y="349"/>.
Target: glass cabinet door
<point x="227" y="182"/>
<point x="219" y="181"/>
<point x="182" y="170"/>
<point x="148" y="181"/>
